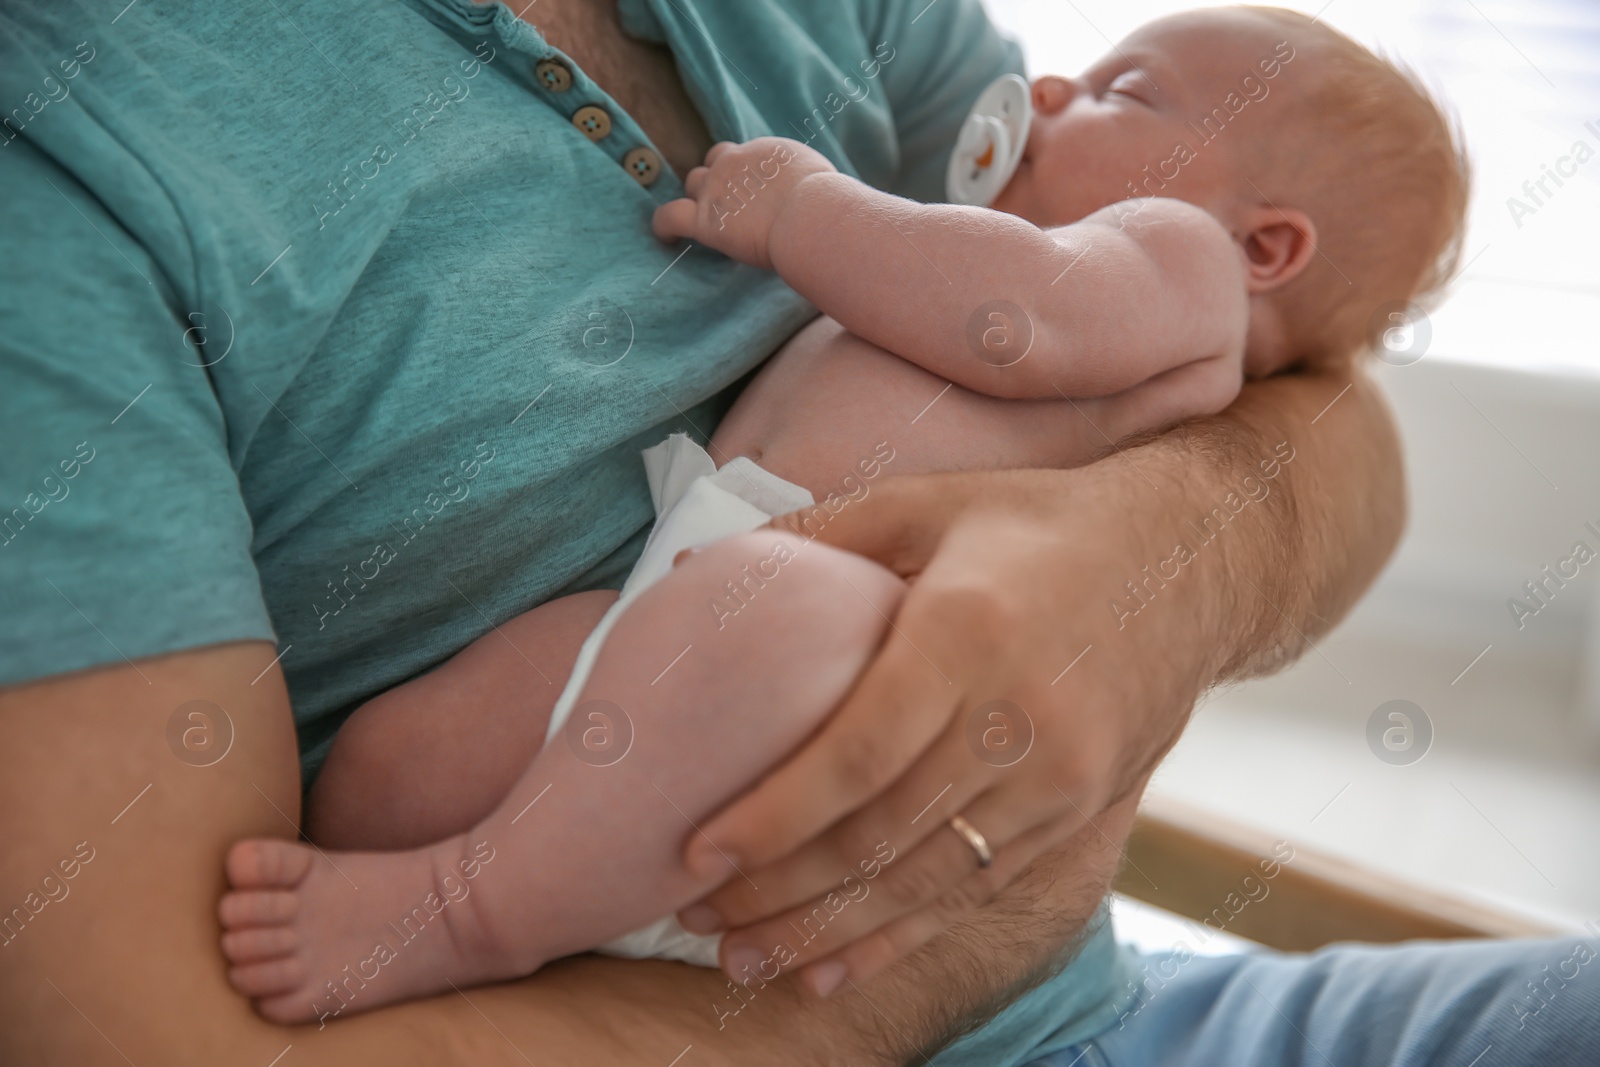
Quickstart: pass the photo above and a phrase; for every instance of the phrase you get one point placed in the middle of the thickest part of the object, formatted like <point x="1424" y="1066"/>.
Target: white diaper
<point x="696" y="504"/>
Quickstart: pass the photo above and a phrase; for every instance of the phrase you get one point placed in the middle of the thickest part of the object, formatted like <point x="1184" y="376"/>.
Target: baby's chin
<point x="1015" y="194"/>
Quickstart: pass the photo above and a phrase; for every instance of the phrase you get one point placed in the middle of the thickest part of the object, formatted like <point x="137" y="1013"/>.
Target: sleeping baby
<point x="1226" y="195"/>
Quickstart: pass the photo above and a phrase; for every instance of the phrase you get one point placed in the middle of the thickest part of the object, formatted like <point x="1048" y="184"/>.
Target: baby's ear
<point x="1278" y="244"/>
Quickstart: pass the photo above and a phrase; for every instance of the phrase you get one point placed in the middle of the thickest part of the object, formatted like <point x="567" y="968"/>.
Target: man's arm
<point x="1098" y="603"/>
<point x="124" y="964"/>
<point x="120" y="959"/>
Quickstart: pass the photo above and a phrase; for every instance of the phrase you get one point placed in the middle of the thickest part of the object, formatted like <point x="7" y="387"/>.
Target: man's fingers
<point x="866" y="956"/>
<point x="912" y="809"/>
<point x="829" y="922"/>
<point x="899" y="707"/>
<point x="950" y="779"/>
<point x="716" y="150"/>
<point x="930" y="874"/>
<point x="675" y="218"/>
<point x="899" y="523"/>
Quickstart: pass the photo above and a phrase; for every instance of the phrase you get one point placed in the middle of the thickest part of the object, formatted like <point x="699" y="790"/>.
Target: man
<point x="331" y="339"/>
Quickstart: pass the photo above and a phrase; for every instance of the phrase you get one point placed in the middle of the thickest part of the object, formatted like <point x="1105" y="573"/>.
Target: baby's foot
<point x="312" y="935"/>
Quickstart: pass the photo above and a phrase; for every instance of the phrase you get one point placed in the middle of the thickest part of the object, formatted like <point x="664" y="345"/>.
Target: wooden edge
<point x="1249" y="883"/>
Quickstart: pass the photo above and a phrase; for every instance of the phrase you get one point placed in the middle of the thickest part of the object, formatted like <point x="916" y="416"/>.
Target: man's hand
<point x="1052" y="643"/>
<point x="736" y="197"/>
<point x="1005" y="694"/>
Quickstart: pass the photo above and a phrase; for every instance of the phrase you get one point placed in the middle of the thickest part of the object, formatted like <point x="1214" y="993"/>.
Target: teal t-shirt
<point x="340" y="324"/>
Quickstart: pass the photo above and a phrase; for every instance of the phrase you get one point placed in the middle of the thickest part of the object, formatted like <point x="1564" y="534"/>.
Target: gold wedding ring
<point x="978" y="843"/>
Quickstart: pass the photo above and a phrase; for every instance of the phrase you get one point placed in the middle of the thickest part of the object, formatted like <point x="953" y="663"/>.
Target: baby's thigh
<point x="741" y="651"/>
<point x="433" y="756"/>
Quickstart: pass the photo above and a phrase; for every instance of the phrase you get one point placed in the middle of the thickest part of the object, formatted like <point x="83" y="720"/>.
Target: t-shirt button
<point x="644" y="165"/>
<point x="593" y="121"/>
<point x="553" y="75"/>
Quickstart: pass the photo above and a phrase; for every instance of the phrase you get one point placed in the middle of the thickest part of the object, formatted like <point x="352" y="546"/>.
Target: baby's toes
<point x="269" y="978"/>
<point x="267" y="863"/>
<point x="296" y="1006"/>
<point x="253" y="944"/>
<point x="272" y="907"/>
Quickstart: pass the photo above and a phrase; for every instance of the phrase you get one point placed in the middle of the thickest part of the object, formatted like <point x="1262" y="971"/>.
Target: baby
<point x="1229" y="193"/>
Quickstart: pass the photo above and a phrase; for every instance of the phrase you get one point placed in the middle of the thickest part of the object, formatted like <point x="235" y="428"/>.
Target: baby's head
<point x="1337" y="174"/>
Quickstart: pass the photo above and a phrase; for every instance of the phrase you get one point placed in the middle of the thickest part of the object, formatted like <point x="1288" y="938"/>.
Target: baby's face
<point x="1135" y="124"/>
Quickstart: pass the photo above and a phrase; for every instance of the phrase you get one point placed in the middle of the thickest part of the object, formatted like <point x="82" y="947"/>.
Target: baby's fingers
<point x="695" y="179"/>
<point x="675" y="219"/>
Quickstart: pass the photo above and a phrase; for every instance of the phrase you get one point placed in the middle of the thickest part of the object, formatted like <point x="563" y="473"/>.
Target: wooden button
<point x="644" y="165"/>
<point x="593" y="121"/>
<point x="553" y="75"/>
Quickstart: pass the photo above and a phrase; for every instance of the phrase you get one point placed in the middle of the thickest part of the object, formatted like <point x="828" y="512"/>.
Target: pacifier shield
<point x="990" y="143"/>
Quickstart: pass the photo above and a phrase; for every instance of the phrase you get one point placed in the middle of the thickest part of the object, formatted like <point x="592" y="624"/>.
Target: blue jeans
<point x="1452" y="1004"/>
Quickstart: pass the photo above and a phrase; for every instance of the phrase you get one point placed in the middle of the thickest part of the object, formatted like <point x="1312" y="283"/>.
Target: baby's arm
<point x="1131" y="291"/>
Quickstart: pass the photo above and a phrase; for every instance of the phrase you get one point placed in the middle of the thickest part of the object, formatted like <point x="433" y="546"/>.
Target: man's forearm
<point x="1279" y="548"/>
<point x="957" y="982"/>
<point x="133" y="950"/>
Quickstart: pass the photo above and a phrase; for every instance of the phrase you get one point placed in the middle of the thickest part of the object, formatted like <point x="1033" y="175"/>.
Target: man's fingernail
<point x="743" y="962"/>
<point x="700" y="919"/>
<point x="824" y="978"/>
<point x="706" y="862"/>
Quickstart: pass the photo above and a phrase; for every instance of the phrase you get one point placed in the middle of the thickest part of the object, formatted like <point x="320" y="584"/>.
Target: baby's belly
<point x="831" y="407"/>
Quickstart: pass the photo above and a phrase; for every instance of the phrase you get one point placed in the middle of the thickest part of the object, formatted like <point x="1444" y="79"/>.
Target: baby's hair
<point x="1390" y="210"/>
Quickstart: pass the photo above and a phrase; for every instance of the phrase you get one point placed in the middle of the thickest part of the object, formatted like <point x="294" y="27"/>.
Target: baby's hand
<point x="735" y="198"/>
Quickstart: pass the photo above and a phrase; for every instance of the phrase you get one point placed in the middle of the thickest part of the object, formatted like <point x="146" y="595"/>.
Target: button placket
<point x="643" y="164"/>
<point x="610" y="128"/>
<point x="593" y="122"/>
<point x="553" y="74"/>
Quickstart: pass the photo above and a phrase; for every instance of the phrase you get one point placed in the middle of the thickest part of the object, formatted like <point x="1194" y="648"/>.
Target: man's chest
<point x="641" y="76"/>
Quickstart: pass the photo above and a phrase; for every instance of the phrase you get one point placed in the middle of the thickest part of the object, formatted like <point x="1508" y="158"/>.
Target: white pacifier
<point x="990" y="143"/>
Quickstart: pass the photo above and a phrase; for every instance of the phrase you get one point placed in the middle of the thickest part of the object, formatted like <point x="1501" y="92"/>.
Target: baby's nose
<point x="1052" y="92"/>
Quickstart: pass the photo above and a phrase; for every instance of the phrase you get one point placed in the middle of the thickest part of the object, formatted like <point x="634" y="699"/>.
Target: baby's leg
<point x="699" y="703"/>
<point x="431" y="758"/>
